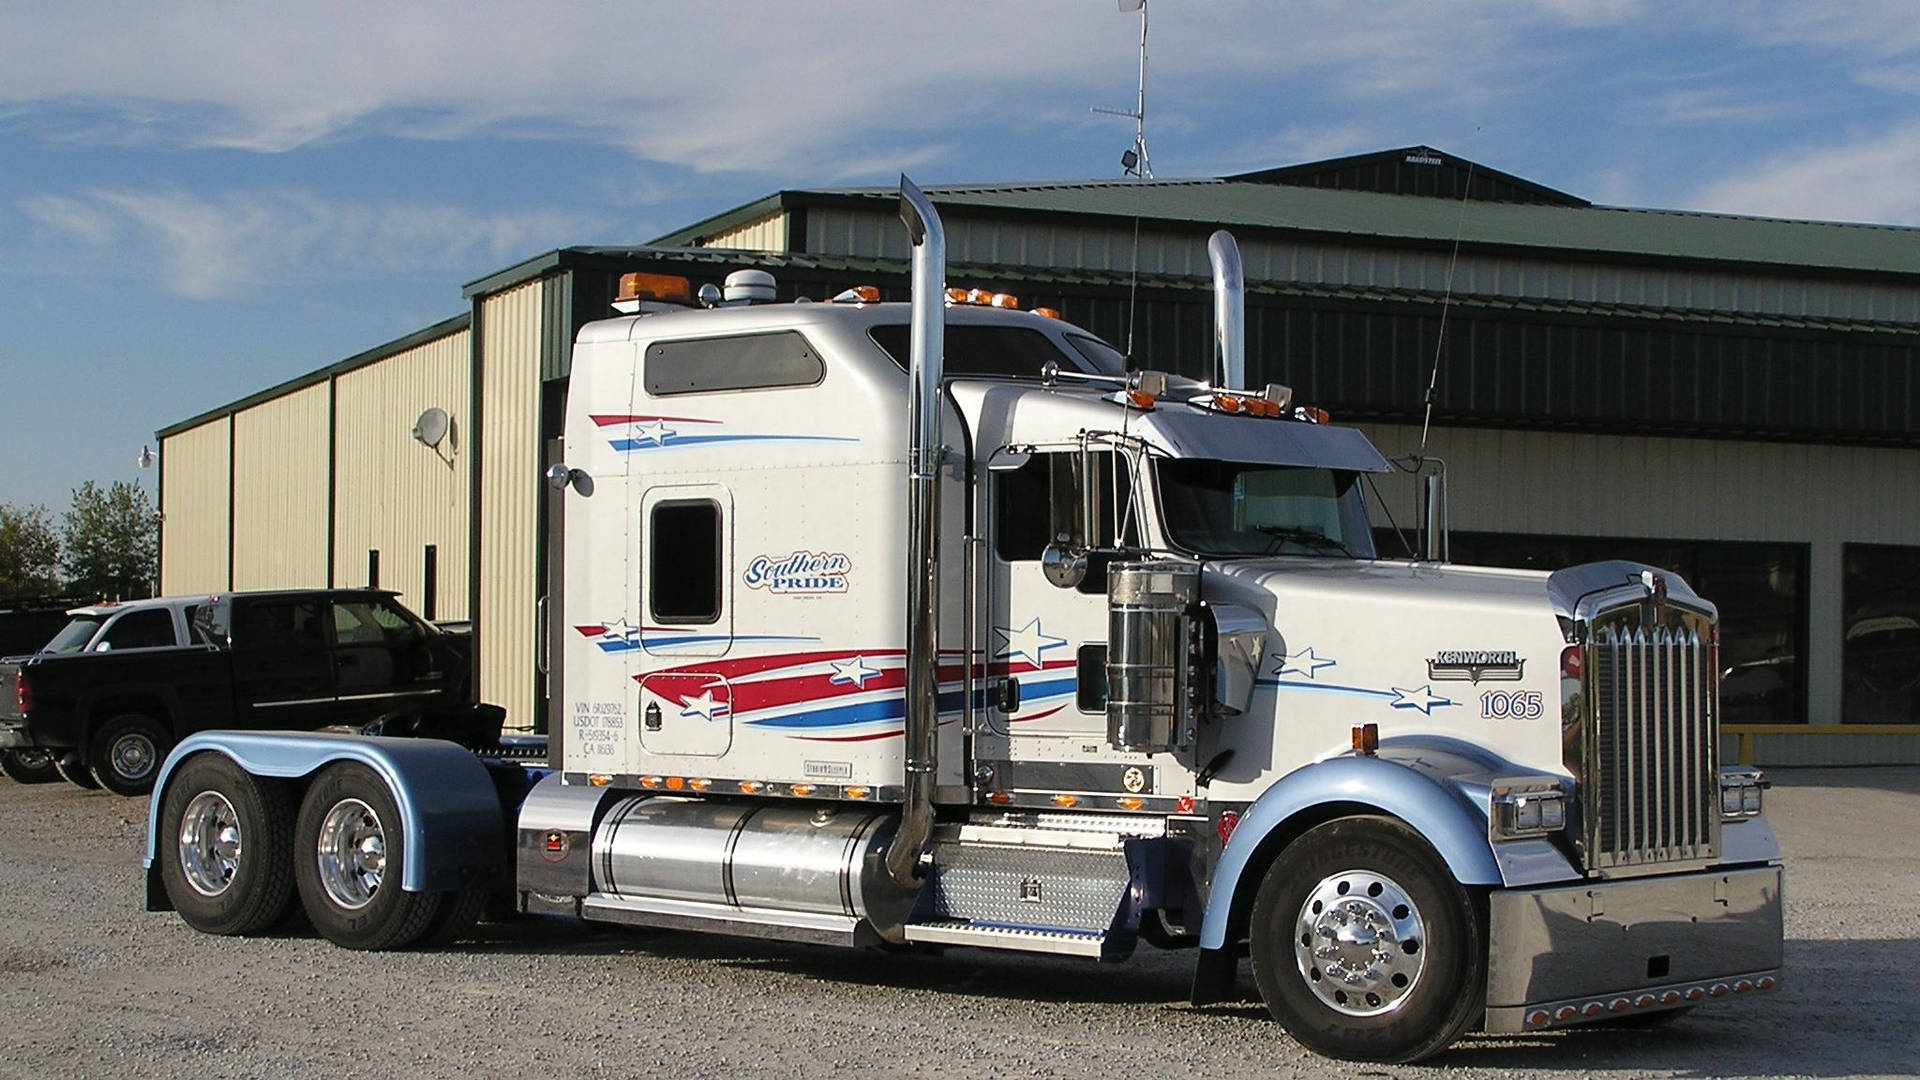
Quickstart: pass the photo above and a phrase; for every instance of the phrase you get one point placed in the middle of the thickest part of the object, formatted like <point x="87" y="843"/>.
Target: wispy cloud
<point x="1868" y="178"/>
<point x="225" y="245"/>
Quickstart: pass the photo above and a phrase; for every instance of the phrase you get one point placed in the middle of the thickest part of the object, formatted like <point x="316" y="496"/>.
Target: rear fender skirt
<point x="1442" y="816"/>
<point x="451" y="817"/>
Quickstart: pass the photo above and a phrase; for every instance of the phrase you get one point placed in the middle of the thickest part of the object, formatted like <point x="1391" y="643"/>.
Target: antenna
<point x="1134" y="160"/>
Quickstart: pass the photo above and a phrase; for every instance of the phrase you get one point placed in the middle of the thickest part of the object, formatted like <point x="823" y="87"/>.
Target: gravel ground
<point x="91" y="986"/>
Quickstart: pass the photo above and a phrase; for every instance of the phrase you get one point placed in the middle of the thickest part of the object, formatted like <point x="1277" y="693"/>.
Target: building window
<point x="1759" y="589"/>
<point x="1880" y="659"/>
<point x="683" y="574"/>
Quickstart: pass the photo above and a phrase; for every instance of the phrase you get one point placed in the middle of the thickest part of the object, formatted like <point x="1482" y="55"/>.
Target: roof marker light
<point x="1139" y="399"/>
<point x="1046" y="313"/>
<point x="859" y="294"/>
<point x="1005" y="300"/>
<point x="667" y="287"/>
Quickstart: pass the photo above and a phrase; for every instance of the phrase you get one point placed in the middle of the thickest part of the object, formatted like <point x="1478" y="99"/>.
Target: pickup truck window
<point x="151" y="628"/>
<point x="281" y="624"/>
<point x="361" y="622"/>
<point x="75" y="635"/>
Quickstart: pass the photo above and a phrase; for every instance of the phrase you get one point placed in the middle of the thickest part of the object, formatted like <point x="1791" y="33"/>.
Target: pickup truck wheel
<point x="73" y="770"/>
<point x="224" y="846"/>
<point x="28" y="766"/>
<point x="350" y="859"/>
<point x="127" y="752"/>
<point x="1364" y="946"/>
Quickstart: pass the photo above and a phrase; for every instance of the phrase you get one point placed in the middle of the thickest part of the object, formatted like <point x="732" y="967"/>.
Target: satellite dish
<point x="431" y="427"/>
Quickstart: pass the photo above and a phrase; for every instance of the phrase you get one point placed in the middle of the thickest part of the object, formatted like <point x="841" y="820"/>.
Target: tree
<point x="29" y="551"/>
<point x="112" y="541"/>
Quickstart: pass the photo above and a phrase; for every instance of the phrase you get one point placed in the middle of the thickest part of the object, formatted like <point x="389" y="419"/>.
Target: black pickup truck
<point x="121" y="684"/>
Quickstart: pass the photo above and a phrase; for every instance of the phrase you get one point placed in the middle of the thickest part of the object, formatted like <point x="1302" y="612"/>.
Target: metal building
<point x="1735" y="398"/>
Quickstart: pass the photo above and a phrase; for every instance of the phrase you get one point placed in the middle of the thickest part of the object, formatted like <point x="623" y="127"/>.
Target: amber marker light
<point x="676" y="783"/>
<point x="1065" y="800"/>
<point x="855" y="792"/>
<point x="1366" y="739"/>
<point x="1000" y="798"/>
<point x="1228" y="403"/>
<point x="699" y="785"/>
<point x="1130" y="802"/>
<point x="1006" y="300"/>
<point x="802" y="790"/>
<point x="599" y="780"/>
<point x="751" y="787"/>
<point x="1046" y="313"/>
<point x="859" y="294"/>
<point x="666" y="287"/>
<point x="1140" y="399"/>
<point x="651" y="783"/>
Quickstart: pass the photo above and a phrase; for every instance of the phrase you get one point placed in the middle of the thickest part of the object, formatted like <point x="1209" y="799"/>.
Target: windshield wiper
<point x="1305" y="537"/>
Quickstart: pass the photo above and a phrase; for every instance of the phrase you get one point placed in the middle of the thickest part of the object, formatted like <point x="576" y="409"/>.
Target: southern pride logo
<point x="799" y="573"/>
<point x="1472" y="665"/>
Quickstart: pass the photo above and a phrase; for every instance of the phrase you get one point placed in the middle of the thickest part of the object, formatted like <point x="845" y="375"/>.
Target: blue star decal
<point x="1423" y="699"/>
<point x="1305" y="662"/>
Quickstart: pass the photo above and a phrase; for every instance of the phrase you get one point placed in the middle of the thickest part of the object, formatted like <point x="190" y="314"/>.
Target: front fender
<point x="1455" y="828"/>
<point x="450" y="815"/>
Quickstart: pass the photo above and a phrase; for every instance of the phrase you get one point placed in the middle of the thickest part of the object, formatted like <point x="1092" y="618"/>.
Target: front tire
<point x="74" y="771"/>
<point x="126" y="754"/>
<point x="1365" y="947"/>
<point x="28" y="766"/>
<point x="351" y="858"/>
<point x="225" y="857"/>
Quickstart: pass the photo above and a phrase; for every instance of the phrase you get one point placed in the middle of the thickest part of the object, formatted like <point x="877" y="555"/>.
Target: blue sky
<point x="198" y="200"/>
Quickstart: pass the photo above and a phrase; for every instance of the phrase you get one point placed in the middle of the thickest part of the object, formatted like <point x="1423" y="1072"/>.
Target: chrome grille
<point x="1651" y="793"/>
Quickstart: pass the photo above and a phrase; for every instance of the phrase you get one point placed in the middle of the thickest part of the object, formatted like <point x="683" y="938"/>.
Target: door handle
<point x="1007" y="696"/>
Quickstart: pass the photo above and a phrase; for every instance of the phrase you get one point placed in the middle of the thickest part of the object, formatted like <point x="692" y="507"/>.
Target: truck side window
<point x="282" y="624"/>
<point x="148" y="629"/>
<point x="745" y="362"/>
<point x="683" y="561"/>
<point x="1022" y="505"/>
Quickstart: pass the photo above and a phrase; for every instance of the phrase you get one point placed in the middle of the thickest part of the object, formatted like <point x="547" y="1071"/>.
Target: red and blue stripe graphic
<point x="634" y="433"/>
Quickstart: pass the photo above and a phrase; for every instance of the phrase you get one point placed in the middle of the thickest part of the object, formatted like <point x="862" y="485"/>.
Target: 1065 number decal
<point x="1512" y="705"/>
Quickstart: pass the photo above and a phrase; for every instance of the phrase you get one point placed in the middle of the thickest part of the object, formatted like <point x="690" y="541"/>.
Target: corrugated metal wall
<point x="510" y="456"/>
<point x="767" y="233"/>
<point x="1605" y="485"/>
<point x="1077" y="245"/>
<point x="396" y="495"/>
<point x="194" y="479"/>
<point x="280" y="492"/>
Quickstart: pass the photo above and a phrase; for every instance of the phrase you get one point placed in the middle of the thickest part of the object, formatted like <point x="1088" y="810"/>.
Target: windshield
<point x="1234" y="508"/>
<point x="75" y="635"/>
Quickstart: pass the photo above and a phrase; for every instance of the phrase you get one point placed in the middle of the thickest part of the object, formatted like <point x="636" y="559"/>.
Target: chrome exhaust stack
<point x="1229" y="311"/>
<point x="926" y="349"/>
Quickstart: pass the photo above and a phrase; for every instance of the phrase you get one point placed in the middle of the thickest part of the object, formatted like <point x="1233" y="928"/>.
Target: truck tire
<point x="73" y="770"/>
<point x="28" y="766"/>
<point x="126" y="753"/>
<point x="225" y="846"/>
<point x="350" y="857"/>
<point x="1364" y="946"/>
<point x="459" y="914"/>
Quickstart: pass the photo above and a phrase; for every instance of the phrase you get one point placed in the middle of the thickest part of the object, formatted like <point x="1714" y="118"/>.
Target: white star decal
<point x="1305" y="662"/>
<point x="1029" y="643"/>
<point x="1423" y="699"/>
<point x="619" y="631"/>
<point x="704" y="706"/>
<point x="854" y="672"/>
<point x="653" y="431"/>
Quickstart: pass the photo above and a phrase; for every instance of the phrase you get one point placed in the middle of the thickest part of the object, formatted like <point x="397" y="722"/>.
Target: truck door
<point x="282" y="668"/>
<point x="687" y="618"/>
<point x="1043" y="636"/>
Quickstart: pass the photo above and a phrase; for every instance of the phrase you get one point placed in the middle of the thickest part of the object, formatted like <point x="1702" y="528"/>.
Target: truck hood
<point x="1455" y="652"/>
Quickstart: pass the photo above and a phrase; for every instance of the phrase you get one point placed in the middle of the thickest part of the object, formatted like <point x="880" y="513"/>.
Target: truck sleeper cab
<point x="1057" y="658"/>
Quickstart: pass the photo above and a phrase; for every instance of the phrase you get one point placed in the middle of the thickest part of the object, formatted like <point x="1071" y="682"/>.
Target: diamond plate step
<point x="1031" y="939"/>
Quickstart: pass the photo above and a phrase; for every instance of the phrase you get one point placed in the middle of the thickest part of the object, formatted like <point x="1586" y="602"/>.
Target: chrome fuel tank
<point x="819" y="859"/>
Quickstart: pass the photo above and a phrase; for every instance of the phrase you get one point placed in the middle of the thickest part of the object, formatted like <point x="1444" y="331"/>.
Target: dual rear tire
<point x="237" y="853"/>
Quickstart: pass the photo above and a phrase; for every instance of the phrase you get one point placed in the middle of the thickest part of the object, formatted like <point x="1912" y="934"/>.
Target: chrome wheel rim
<point x="132" y="756"/>
<point x="353" y="853"/>
<point x="210" y="843"/>
<point x="1360" y="942"/>
<point x="34" y="759"/>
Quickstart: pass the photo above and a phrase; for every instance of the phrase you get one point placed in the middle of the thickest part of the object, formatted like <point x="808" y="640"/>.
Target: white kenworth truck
<point x="932" y="624"/>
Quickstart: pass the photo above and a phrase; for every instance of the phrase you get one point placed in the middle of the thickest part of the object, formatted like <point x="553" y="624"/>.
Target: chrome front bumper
<point x="1574" y="953"/>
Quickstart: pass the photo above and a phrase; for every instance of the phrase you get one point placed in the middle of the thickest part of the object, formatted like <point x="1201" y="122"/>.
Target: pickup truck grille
<point x="1650" y="783"/>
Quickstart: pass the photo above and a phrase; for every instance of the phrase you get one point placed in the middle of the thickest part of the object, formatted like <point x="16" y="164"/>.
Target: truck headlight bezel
<point x="1741" y="788"/>
<point x="1527" y="806"/>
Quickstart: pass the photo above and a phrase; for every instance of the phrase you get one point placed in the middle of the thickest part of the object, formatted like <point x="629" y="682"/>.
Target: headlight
<point x="1526" y="806"/>
<point x="1740" y="788"/>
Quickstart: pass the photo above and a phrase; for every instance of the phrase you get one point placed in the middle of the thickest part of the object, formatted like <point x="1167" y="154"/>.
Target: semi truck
<point x="938" y="624"/>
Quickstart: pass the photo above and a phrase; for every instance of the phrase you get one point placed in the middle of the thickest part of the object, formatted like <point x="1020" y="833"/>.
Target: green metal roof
<point x="1586" y="232"/>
